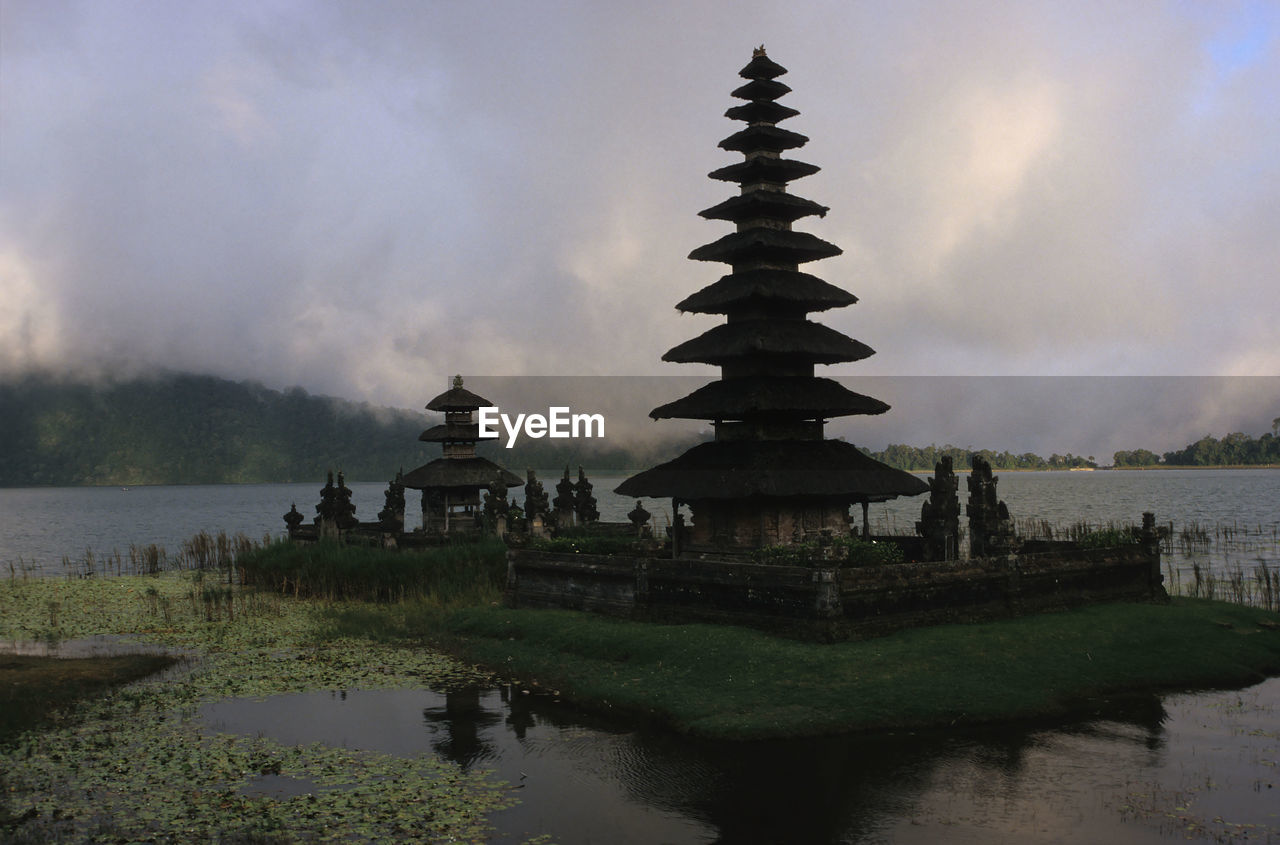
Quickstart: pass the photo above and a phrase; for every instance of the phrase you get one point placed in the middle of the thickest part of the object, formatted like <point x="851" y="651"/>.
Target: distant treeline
<point x="194" y="429"/>
<point x="1236" y="449"/>
<point x="927" y="457"/>
<point x="190" y="429"/>
<point x="1233" y="450"/>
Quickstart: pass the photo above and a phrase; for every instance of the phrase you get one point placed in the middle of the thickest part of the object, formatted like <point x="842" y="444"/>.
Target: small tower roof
<point x="761" y="66"/>
<point x="802" y="340"/>
<point x="781" y="287"/>
<point x="745" y="469"/>
<point x="755" y="397"/>
<point x="766" y="244"/>
<point x="762" y="89"/>
<point x="761" y="111"/>
<point x="762" y="137"/>
<point x="457" y="398"/>
<point x="774" y="205"/>
<point x="459" y="473"/>
<point x="778" y="171"/>
<point x="451" y="433"/>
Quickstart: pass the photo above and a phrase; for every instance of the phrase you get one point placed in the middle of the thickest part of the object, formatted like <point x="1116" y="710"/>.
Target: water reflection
<point x="1139" y="770"/>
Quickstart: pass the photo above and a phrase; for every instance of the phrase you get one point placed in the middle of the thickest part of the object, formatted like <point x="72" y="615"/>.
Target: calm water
<point x="1203" y="766"/>
<point x="41" y="526"/>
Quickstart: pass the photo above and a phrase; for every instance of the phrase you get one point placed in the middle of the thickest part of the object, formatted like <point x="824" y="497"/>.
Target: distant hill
<point x="195" y="429"/>
<point x="191" y="429"/>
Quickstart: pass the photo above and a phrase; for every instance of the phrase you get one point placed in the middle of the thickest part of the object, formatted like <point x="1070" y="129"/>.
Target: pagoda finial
<point x="457" y="381"/>
<point x="758" y="52"/>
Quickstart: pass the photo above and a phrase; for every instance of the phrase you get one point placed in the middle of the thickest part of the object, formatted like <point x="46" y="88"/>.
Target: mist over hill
<point x="181" y="428"/>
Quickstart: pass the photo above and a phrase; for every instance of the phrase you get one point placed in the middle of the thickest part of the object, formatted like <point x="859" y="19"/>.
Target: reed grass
<point x="463" y="572"/>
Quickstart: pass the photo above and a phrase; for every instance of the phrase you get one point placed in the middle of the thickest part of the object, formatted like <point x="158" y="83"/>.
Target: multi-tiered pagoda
<point x="769" y="476"/>
<point x="451" y="484"/>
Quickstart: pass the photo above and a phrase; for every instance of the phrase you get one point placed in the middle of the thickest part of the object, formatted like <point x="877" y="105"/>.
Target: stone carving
<point x="293" y="519"/>
<point x="939" y="523"/>
<point x="584" y="503"/>
<point x="327" y="511"/>
<point x="495" y="504"/>
<point x="990" y="526"/>
<point x="392" y="514"/>
<point x="535" y="498"/>
<point x="640" y="519"/>
<point x="563" y="504"/>
<point x="344" y="510"/>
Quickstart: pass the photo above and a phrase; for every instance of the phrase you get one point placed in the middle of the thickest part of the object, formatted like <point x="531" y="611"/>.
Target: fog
<point x="364" y="198"/>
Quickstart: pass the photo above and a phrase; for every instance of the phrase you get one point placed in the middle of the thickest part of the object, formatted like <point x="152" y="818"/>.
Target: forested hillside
<point x="188" y="429"/>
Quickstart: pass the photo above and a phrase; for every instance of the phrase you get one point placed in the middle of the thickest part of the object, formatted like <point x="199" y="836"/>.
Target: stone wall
<point x="729" y="528"/>
<point x="833" y="603"/>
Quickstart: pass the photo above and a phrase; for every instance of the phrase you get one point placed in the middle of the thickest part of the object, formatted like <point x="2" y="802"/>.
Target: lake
<point x="1140" y="770"/>
<point x="1204" y="766"/>
<point x="41" y="526"/>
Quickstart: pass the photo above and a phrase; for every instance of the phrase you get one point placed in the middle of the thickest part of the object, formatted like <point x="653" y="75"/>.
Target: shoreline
<point x="722" y="682"/>
<point x="124" y="488"/>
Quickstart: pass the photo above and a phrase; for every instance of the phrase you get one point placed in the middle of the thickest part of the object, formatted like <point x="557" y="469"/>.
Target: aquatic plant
<point x="1107" y="538"/>
<point x="137" y="764"/>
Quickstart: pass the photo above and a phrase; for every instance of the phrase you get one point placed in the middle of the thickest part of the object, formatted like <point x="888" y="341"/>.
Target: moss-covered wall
<point x="832" y="603"/>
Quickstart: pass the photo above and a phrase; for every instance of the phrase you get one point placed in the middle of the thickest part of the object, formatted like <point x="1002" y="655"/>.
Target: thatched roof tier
<point x="763" y="137"/>
<point x="743" y="469"/>
<point x="778" y="171"/>
<point x="451" y="433"/>
<point x="761" y="111"/>
<point x="763" y="244"/>
<point x="761" y="89"/>
<point x="782" y="287"/>
<point x="797" y="339"/>
<point x="761" y="67"/>
<point x="759" y="397"/>
<point x="459" y="473"/>
<point x="776" y="205"/>
<point x="457" y="399"/>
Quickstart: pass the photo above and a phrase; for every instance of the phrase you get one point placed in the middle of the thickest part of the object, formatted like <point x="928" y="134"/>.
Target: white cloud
<point x="237" y="187"/>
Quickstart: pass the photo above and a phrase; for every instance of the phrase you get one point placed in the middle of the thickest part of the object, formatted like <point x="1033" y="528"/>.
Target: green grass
<point x="728" y="682"/>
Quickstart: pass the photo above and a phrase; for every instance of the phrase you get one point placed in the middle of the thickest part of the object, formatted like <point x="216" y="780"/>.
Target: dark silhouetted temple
<point x="451" y="484"/>
<point x="769" y="477"/>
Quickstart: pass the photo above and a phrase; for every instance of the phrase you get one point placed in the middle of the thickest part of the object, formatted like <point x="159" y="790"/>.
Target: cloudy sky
<point x="363" y="198"/>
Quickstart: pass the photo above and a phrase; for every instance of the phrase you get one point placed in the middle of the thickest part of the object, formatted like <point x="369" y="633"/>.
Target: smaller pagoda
<point x="451" y="485"/>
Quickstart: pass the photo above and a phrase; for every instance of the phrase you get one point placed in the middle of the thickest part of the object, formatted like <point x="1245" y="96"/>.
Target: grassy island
<point x="735" y="683"/>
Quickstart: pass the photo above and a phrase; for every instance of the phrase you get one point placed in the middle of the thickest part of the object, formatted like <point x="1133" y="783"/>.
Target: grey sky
<point x="363" y="198"/>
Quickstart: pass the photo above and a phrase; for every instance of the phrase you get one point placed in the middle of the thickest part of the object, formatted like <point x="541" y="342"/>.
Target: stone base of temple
<point x="832" y="603"/>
